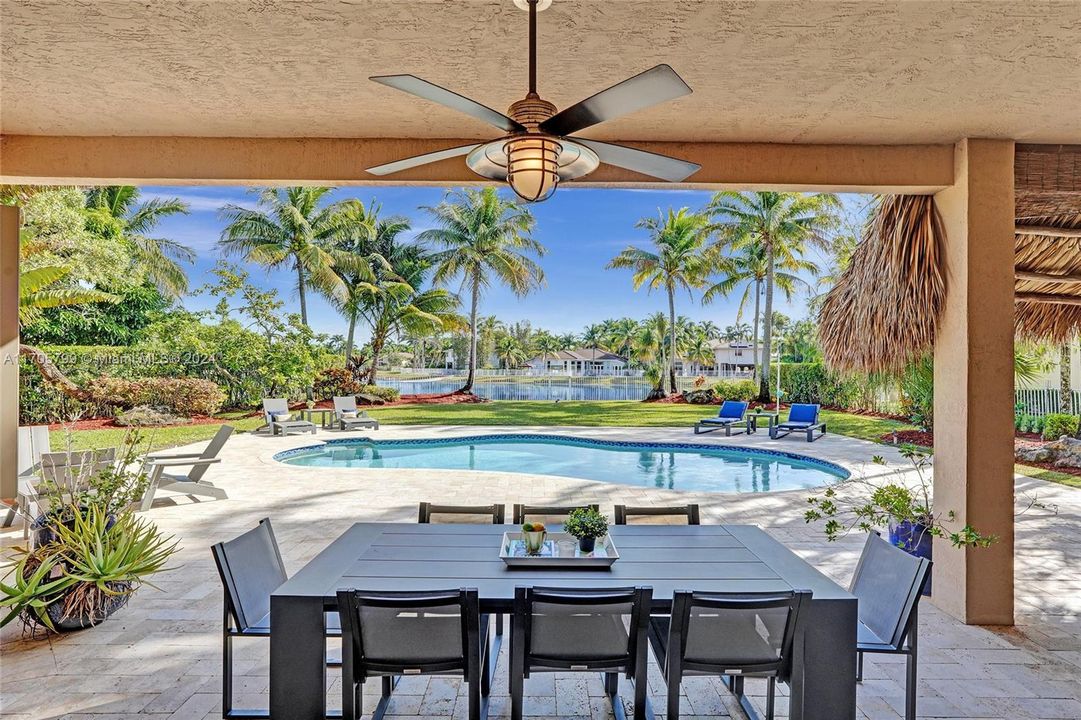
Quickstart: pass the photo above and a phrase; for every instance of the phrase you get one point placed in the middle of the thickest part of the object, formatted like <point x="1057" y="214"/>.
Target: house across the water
<point x="580" y="361"/>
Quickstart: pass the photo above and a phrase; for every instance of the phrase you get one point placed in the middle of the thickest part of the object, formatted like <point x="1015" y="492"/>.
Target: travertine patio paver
<point x="160" y="657"/>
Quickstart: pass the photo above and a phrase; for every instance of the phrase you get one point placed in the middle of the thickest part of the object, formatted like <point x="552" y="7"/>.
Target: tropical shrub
<point x="183" y="396"/>
<point x="735" y="389"/>
<point x="386" y="393"/>
<point x="1056" y="425"/>
<point x="336" y="381"/>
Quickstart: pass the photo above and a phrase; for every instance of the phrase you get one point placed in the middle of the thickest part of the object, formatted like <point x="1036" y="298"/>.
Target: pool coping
<point x="840" y="472"/>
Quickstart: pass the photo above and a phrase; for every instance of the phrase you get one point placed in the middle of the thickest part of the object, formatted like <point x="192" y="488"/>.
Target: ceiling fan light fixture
<point x="533" y="166"/>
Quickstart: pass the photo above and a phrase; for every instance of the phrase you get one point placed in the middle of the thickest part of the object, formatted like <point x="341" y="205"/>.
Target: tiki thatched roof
<point x="884" y="309"/>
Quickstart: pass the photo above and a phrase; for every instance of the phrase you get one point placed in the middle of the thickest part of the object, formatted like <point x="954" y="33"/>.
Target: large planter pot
<point x="41" y="532"/>
<point x="83" y="621"/>
<point x="914" y="539"/>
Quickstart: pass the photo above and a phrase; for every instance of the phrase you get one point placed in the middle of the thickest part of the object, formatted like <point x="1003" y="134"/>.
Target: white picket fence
<point x="1042" y="401"/>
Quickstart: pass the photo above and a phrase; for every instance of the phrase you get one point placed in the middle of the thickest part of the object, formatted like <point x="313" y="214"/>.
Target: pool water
<point x="681" y="466"/>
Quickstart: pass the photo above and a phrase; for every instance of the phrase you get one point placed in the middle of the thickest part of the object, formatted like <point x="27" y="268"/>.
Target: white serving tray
<point x="513" y="553"/>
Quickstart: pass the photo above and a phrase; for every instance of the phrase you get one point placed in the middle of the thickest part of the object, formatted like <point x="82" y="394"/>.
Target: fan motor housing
<point x="531" y="111"/>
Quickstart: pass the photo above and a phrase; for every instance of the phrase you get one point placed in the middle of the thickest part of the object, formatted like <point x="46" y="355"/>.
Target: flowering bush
<point x="183" y="396"/>
<point x="336" y="381"/>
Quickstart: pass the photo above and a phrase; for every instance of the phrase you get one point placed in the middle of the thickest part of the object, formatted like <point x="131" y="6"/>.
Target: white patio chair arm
<point x="172" y="456"/>
<point x="183" y="463"/>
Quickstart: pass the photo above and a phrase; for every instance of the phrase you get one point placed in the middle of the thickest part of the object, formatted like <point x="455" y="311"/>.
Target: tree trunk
<point x="54" y="376"/>
<point x="349" y="338"/>
<point x="468" y="387"/>
<point x="1065" y="387"/>
<point x="672" y="337"/>
<point x="378" y="339"/>
<point x="300" y="292"/>
<point x="754" y="341"/>
<point x="767" y="327"/>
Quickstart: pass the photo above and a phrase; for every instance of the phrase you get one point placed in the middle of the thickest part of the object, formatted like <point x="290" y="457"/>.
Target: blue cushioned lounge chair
<point x="801" y="418"/>
<point x="731" y="414"/>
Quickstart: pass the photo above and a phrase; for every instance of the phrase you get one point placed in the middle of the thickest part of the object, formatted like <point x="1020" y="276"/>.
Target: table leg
<point x="823" y="683"/>
<point x="297" y="662"/>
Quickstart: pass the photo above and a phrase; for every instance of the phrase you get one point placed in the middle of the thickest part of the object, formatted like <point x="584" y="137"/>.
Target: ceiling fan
<point x="538" y="152"/>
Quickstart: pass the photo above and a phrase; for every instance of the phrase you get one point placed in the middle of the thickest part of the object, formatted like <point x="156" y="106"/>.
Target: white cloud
<point x="200" y="202"/>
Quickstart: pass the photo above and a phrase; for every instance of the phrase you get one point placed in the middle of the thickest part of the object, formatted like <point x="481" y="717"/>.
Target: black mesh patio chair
<point x="689" y="511"/>
<point x="390" y="634"/>
<point x="581" y="630"/>
<point x="521" y="512"/>
<point x="251" y="568"/>
<point x="734" y="635"/>
<point x="888" y="584"/>
<point x="496" y="511"/>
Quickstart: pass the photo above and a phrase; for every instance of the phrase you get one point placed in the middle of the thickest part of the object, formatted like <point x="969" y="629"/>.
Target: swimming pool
<point x="671" y="466"/>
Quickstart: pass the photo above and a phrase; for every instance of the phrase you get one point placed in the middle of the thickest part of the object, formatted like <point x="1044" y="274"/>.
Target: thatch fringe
<point x="1044" y="321"/>
<point x="884" y="310"/>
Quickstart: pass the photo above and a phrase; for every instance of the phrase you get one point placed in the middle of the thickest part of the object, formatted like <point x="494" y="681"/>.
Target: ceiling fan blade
<point x="654" y="86"/>
<point x="418" y="160"/>
<point x="652" y="164"/>
<point x="430" y="91"/>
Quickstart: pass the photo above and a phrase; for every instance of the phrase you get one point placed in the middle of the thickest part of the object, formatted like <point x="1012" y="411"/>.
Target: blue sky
<point x="583" y="228"/>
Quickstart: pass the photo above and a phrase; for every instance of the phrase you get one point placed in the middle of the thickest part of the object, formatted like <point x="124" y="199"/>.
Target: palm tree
<point x="698" y="350"/>
<point x="677" y="261"/>
<point x="292" y="227"/>
<point x="545" y="343"/>
<point x="621" y="336"/>
<point x="710" y="329"/>
<point x="362" y="235"/>
<point x="115" y="212"/>
<point x="779" y="226"/>
<point x="593" y="337"/>
<point x="567" y="341"/>
<point x="739" y="332"/>
<point x="650" y="346"/>
<point x="510" y="351"/>
<point x="483" y="238"/>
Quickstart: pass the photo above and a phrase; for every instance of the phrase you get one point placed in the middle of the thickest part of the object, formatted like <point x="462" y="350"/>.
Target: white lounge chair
<point x="348" y="417"/>
<point x="32" y="442"/>
<point x="190" y="483"/>
<point x="66" y="474"/>
<point x="274" y="408"/>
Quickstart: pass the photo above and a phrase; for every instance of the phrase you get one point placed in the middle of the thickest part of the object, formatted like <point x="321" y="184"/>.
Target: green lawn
<point x="592" y="414"/>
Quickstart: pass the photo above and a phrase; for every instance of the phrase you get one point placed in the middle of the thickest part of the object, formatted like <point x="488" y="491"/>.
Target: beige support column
<point x="9" y="350"/>
<point x="973" y="463"/>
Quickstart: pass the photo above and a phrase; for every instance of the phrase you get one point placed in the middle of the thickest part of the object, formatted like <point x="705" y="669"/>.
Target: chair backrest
<point x="803" y="412"/>
<point x="732" y="410"/>
<point x="689" y="511"/>
<point x="211" y="451"/>
<point x="72" y="471"/>
<point x="496" y="511"/>
<point x="582" y="628"/>
<point x="408" y="633"/>
<point x="274" y="406"/>
<point x="521" y="511"/>
<point x="345" y="404"/>
<point x="251" y="568"/>
<point x="33" y="441"/>
<point x="888" y="583"/>
<point x="735" y="633"/>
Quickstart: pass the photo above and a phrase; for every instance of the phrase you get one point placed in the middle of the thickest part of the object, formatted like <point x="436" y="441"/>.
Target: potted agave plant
<point x="90" y="551"/>
<point x="586" y="524"/>
<point x="903" y="505"/>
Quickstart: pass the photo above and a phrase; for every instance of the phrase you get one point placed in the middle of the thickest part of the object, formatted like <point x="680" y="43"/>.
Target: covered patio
<point x="970" y="103"/>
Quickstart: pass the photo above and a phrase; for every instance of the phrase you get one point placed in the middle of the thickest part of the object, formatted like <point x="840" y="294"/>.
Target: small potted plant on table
<point x="586" y="524"/>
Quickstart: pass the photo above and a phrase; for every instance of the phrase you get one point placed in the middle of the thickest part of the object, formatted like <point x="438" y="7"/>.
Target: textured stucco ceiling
<point x="802" y="71"/>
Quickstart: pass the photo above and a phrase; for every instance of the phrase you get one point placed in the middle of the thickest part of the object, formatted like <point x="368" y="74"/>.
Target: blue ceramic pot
<point x="914" y="539"/>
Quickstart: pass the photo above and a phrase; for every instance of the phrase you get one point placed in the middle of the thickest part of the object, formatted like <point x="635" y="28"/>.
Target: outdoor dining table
<point x="706" y="558"/>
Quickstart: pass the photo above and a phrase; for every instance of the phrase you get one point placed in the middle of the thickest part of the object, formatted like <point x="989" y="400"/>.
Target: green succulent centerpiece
<point x="586" y="524"/>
